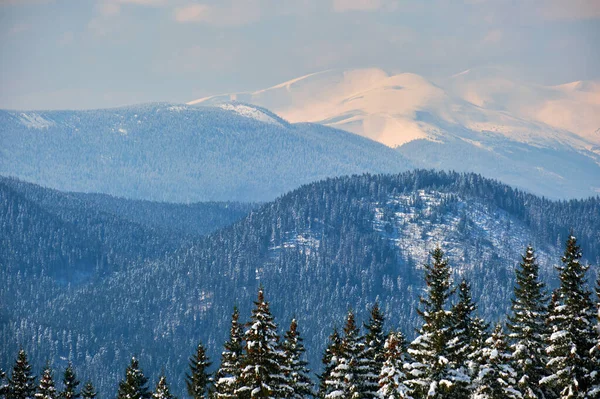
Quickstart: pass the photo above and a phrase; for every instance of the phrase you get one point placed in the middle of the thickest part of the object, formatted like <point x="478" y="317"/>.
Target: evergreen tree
<point x="46" y="388"/>
<point x="430" y="375"/>
<point x="262" y="374"/>
<point x="572" y="324"/>
<point x="392" y="376"/>
<point x="3" y="384"/>
<point x="527" y="326"/>
<point x="134" y="386"/>
<point x="21" y="384"/>
<point x="88" y="391"/>
<point x="70" y="384"/>
<point x="374" y="342"/>
<point x="467" y="338"/>
<point x="496" y="377"/>
<point x="198" y="379"/>
<point x="227" y="377"/>
<point x="347" y="379"/>
<point x="162" y="389"/>
<point x="297" y="373"/>
<point x="594" y="391"/>
<point x="330" y="360"/>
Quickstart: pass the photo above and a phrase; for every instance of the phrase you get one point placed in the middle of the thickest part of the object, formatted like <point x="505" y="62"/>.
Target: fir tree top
<point x="21" y="384"/>
<point x="134" y="386"/>
<point x="88" y="391"/>
<point x="46" y="388"/>
<point x="198" y="379"/>
<point x="70" y="384"/>
<point x="162" y="389"/>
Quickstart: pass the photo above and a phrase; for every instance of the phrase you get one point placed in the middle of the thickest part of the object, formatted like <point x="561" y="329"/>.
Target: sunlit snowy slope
<point x="542" y="138"/>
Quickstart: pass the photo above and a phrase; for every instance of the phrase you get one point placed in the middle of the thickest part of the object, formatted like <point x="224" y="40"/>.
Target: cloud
<point x="570" y="9"/>
<point x="113" y="7"/>
<point x="356" y="5"/>
<point x="232" y="14"/>
<point x="192" y="13"/>
<point x="493" y="36"/>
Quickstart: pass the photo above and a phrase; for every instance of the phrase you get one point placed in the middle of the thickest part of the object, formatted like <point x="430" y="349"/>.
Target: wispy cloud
<point x="570" y="9"/>
<point x="232" y="14"/>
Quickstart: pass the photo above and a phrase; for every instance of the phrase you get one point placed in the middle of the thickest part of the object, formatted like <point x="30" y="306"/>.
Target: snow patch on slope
<point x="34" y="121"/>
<point x="250" y="112"/>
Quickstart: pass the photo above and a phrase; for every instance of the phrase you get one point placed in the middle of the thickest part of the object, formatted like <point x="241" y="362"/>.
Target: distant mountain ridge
<point x="180" y="153"/>
<point x="476" y="121"/>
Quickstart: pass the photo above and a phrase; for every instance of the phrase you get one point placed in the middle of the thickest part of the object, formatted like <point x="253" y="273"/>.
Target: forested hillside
<point x="178" y="153"/>
<point x="322" y="249"/>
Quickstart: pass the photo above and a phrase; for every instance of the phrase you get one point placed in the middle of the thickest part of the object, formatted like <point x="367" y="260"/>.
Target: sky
<point x="78" y="54"/>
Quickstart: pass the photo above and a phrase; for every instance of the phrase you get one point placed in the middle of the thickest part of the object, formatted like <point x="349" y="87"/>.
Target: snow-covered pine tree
<point x="46" y="388"/>
<point x="21" y="384"/>
<point x="162" y="390"/>
<point x="392" y="375"/>
<point x="594" y="391"/>
<point x="465" y="341"/>
<point x="70" y="384"/>
<point x="262" y="374"/>
<point x="198" y="379"/>
<point x="373" y="351"/>
<point x="496" y="379"/>
<point x="429" y="374"/>
<point x="3" y="384"/>
<point x="297" y="373"/>
<point x="88" y="391"/>
<point x="330" y="361"/>
<point x="134" y="386"/>
<point x="347" y="379"/>
<point x="572" y="323"/>
<point x="228" y="374"/>
<point x="527" y="327"/>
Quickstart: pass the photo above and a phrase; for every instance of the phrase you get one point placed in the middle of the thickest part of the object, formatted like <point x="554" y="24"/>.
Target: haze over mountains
<point x="477" y="120"/>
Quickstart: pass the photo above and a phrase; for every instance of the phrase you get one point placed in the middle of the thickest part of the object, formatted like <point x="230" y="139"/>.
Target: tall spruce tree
<point x="46" y="388"/>
<point x="198" y="379"/>
<point x="527" y="327"/>
<point x="70" y="384"/>
<point x="572" y="324"/>
<point x="88" y="391"/>
<point x="496" y="379"/>
<point x="228" y="374"/>
<point x="347" y="379"/>
<point x="374" y="342"/>
<point x="465" y="339"/>
<point x="297" y="373"/>
<point x="162" y="390"/>
<point x="21" y="384"/>
<point x="430" y="374"/>
<point x="263" y="370"/>
<point x="3" y="384"/>
<point x="594" y="391"/>
<point x="135" y="384"/>
<point x="329" y="360"/>
<point x="392" y="375"/>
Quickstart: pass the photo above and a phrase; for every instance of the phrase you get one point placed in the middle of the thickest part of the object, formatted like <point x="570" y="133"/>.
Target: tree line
<point x="549" y="347"/>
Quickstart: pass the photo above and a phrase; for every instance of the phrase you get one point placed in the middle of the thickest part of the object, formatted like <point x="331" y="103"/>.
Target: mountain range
<point x="180" y="153"/>
<point x="478" y="120"/>
<point x="139" y="289"/>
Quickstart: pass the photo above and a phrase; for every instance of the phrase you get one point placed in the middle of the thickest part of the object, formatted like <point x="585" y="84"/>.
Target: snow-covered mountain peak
<point x="389" y="108"/>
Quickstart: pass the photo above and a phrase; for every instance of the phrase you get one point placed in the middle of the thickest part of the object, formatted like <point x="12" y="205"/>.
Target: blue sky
<point x="102" y="53"/>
